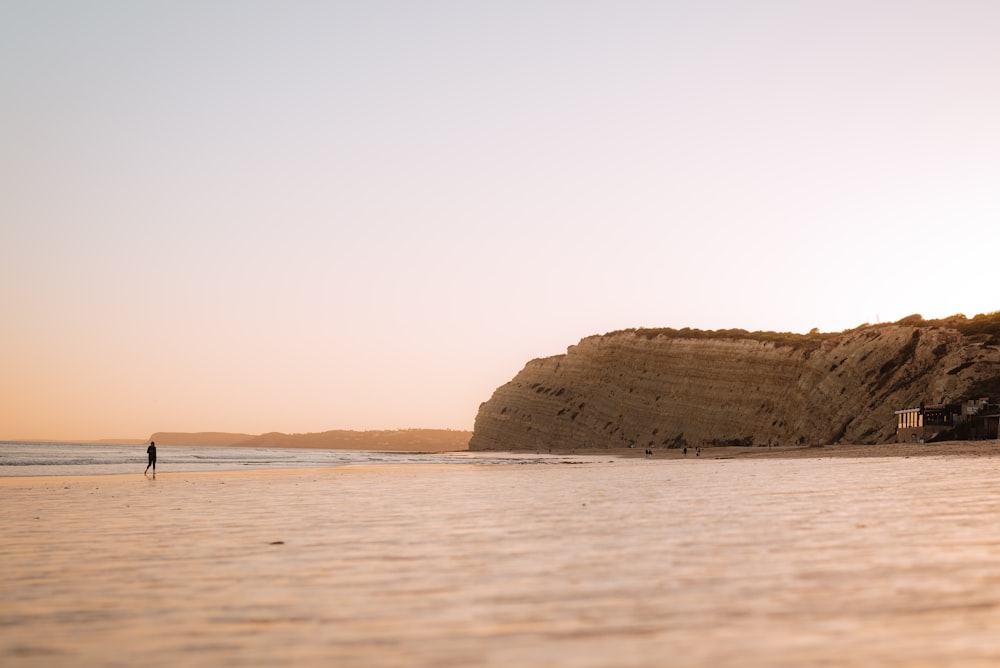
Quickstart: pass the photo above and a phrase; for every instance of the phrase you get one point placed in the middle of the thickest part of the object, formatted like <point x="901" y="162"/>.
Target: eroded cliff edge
<point x="670" y="388"/>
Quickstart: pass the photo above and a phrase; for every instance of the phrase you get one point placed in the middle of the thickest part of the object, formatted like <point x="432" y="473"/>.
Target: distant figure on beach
<point x="151" y="451"/>
<point x="685" y="451"/>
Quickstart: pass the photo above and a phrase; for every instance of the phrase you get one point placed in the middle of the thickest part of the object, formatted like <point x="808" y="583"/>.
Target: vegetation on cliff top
<point x="812" y="339"/>
<point x="983" y="325"/>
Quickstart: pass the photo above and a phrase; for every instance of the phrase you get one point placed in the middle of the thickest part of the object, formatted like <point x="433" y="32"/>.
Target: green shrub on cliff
<point x="813" y="338"/>
<point x="985" y="325"/>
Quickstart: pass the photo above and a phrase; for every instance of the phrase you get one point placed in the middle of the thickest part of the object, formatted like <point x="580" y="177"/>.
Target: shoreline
<point x="986" y="448"/>
<point x="818" y="451"/>
<point x="482" y="459"/>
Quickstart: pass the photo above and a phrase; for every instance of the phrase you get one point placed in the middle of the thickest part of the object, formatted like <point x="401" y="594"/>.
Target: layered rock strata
<point x="669" y="388"/>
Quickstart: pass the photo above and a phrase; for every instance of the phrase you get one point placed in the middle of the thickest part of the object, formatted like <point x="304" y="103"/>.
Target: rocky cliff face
<point x="668" y="388"/>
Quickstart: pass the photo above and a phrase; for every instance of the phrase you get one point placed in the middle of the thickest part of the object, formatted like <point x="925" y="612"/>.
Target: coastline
<point x="186" y="460"/>
<point x="986" y="448"/>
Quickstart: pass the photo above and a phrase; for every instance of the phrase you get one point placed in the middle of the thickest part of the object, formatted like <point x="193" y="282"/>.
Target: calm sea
<point x="35" y="459"/>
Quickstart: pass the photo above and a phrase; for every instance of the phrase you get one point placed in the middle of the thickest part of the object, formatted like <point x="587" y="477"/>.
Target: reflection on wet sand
<point x="758" y="562"/>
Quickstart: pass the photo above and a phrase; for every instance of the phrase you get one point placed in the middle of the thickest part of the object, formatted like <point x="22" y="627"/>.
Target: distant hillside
<point x="116" y="441"/>
<point x="401" y="440"/>
<point x="670" y="388"/>
<point x="198" y="438"/>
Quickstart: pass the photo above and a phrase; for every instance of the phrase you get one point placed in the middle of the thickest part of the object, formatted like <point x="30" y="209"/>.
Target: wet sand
<point x="628" y="562"/>
<point x="988" y="448"/>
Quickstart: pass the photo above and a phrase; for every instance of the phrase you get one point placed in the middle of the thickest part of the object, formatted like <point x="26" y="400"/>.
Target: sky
<point x="294" y="216"/>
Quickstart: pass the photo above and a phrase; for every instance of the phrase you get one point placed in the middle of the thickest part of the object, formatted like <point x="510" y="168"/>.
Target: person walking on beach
<point x="151" y="451"/>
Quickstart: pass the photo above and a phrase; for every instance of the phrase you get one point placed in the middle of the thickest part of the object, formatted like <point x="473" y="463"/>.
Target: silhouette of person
<point x="151" y="451"/>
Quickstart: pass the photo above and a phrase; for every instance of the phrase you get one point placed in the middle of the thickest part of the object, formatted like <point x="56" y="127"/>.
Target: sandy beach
<point x="836" y="561"/>
<point x="985" y="448"/>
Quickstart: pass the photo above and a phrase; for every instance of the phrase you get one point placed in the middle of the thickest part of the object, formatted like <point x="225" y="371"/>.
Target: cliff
<point x="671" y="388"/>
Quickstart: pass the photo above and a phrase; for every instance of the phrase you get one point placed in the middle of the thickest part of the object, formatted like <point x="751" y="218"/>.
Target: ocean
<point x="44" y="459"/>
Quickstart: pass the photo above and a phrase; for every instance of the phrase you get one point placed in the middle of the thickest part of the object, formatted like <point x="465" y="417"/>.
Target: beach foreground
<point x="698" y="562"/>
<point x="985" y="448"/>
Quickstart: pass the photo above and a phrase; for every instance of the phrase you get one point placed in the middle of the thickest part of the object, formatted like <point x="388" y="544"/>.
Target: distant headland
<point x="400" y="440"/>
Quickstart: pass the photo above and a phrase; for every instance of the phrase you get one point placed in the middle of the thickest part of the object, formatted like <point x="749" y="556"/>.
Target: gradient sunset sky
<point x="300" y="216"/>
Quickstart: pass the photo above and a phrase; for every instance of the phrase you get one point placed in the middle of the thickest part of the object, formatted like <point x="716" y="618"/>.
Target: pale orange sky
<point x="308" y="216"/>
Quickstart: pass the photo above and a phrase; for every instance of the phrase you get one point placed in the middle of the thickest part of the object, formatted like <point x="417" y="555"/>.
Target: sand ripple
<point x="835" y="562"/>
